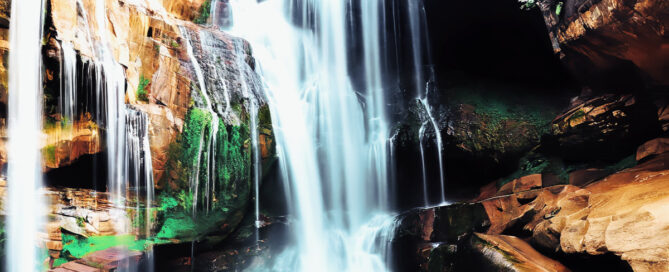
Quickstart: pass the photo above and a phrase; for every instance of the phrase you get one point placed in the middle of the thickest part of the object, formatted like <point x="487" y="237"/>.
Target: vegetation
<point x="527" y="4"/>
<point x="231" y="177"/>
<point x="75" y="247"/>
<point x="142" y="94"/>
<point x="558" y="8"/>
<point x="535" y="163"/>
<point x="203" y="13"/>
<point x="50" y="153"/>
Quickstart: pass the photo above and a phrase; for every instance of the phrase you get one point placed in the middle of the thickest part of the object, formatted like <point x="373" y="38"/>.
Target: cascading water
<point x="139" y="173"/>
<point x="416" y="12"/>
<point x="334" y="166"/>
<point x="139" y="170"/>
<point x="433" y="122"/>
<point x="24" y="172"/>
<point x="421" y="136"/>
<point x="111" y="97"/>
<point x="68" y="84"/>
<point x="195" y="179"/>
<point x="129" y="164"/>
<point x="373" y="12"/>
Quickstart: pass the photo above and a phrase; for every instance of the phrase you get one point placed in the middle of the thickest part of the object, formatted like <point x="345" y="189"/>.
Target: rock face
<point x="149" y="40"/>
<point x="587" y="130"/>
<point x="597" y="36"/>
<point x="620" y="214"/>
<point x="508" y="253"/>
<point x="480" y="129"/>
<point x="612" y="221"/>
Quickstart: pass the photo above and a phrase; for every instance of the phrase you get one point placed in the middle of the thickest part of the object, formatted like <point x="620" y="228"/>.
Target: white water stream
<point x="24" y="172"/>
<point x="333" y="150"/>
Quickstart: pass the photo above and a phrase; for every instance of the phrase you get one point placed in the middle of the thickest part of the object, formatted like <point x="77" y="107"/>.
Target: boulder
<point x="652" y="147"/>
<point x="620" y="214"/>
<point x="482" y="252"/>
<point x="525" y="183"/>
<point x="509" y="253"/>
<point x="582" y="177"/>
<point x="420" y="230"/>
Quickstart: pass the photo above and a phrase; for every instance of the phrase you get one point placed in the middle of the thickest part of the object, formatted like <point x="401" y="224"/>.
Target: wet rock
<point x="443" y="224"/>
<point x="480" y="129"/>
<point x="508" y="253"/>
<point x="589" y="130"/>
<point x="483" y="252"/>
<point x="420" y="230"/>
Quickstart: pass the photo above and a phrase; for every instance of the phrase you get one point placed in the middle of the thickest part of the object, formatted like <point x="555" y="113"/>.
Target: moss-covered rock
<point x="218" y="208"/>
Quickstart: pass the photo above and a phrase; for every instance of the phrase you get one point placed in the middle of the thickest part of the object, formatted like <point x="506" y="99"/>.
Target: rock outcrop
<point x="588" y="129"/>
<point x="149" y="42"/>
<point x="600" y="36"/>
<point x="621" y="214"/>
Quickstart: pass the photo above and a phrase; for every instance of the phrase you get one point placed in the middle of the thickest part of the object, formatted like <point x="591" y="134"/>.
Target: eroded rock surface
<point x="597" y="36"/>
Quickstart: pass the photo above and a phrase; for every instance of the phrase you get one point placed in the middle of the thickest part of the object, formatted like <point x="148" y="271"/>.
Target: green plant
<point x="50" y="152"/>
<point x="527" y="4"/>
<point x="558" y="9"/>
<point x="142" y="94"/>
<point x="81" y="222"/>
<point x="203" y="13"/>
<point x="577" y="115"/>
<point x="174" y="44"/>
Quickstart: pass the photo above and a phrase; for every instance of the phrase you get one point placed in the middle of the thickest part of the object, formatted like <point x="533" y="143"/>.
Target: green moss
<point x="142" y="94"/>
<point x="203" y="13"/>
<point x="75" y="246"/>
<point x="197" y="122"/>
<point x="60" y="261"/>
<point x="504" y="121"/>
<point x="178" y="226"/>
<point x="264" y="117"/>
<point x="231" y="178"/>
<point x="50" y="123"/>
<point x="50" y="153"/>
<point x="578" y="114"/>
<point x="627" y="162"/>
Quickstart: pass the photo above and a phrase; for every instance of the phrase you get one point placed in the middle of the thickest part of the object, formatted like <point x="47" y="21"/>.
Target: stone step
<point x="111" y="258"/>
<point x="74" y="266"/>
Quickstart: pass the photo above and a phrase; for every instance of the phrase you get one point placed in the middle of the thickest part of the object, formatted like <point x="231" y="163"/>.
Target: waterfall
<point x="139" y="172"/>
<point x="416" y="12"/>
<point x="111" y="94"/>
<point x="24" y="172"/>
<point x="421" y="135"/>
<point x="376" y="113"/>
<point x="211" y="144"/>
<point x="333" y="150"/>
<point x="68" y="84"/>
<point x="437" y="134"/>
